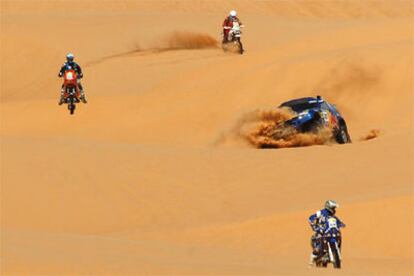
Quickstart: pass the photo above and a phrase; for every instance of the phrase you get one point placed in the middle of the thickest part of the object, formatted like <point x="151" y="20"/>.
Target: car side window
<point x="325" y="106"/>
<point x="324" y="111"/>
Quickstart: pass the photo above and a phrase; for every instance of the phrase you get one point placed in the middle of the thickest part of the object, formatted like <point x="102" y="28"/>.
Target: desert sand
<point x="147" y="177"/>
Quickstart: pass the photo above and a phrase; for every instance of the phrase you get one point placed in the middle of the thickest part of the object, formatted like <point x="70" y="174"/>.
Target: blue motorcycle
<point x="329" y="243"/>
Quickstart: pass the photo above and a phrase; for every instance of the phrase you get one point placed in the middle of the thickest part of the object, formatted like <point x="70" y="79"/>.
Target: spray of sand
<point x="372" y="134"/>
<point x="266" y="129"/>
<point x="179" y="40"/>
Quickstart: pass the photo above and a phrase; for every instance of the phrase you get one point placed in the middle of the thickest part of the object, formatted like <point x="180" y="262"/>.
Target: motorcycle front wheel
<point x="337" y="260"/>
<point x="241" y="50"/>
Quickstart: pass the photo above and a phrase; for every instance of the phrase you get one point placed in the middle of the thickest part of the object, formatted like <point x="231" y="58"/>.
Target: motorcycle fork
<point x="338" y="251"/>
<point x="330" y="252"/>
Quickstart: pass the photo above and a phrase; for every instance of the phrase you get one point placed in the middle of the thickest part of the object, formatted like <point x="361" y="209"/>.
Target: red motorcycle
<point x="233" y="44"/>
<point x="71" y="90"/>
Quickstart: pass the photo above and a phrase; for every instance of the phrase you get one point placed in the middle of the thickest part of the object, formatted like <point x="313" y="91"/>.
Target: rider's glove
<point x="317" y="229"/>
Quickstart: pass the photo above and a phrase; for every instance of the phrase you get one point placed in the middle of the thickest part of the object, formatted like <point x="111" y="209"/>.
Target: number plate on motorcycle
<point x="332" y="223"/>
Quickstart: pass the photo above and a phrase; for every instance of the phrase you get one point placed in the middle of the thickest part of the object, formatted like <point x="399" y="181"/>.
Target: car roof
<point x="299" y="101"/>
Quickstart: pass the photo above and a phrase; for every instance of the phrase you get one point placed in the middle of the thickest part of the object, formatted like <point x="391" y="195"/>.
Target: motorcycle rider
<point x="317" y="222"/>
<point x="228" y="25"/>
<point x="68" y="65"/>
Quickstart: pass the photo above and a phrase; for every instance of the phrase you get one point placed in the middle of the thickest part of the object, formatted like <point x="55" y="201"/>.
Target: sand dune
<point x="294" y="8"/>
<point x="147" y="178"/>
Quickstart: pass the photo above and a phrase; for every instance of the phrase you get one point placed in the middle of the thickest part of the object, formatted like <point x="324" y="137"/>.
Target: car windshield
<point x="300" y="107"/>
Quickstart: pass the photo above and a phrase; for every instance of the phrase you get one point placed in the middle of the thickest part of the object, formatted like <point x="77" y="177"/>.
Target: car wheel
<point x="342" y="136"/>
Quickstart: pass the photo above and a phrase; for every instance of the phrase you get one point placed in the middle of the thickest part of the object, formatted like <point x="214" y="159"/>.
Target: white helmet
<point x="233" y="13"/>
<point x="331" y="205"/>
<point x="70" y="57"/>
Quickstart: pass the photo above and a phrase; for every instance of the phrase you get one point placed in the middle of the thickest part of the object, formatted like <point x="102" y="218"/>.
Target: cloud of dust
<point x="350" y="85"/>
<point x="351" y="82"/>
<point x="266" y="129"/>
<point x="351" y="78"/>
<point x="185" y="40"/>
<point x="177" y="40"/>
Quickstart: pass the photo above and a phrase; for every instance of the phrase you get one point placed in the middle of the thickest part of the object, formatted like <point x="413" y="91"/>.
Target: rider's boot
<point x="62" y="98"/>
<point x="230" y="36"/>
<point x="82" y="96"/>
<point x="224" y="38"/>
<point x="312" y="259"/>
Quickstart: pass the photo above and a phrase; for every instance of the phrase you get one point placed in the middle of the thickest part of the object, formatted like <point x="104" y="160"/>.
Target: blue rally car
<point x="313" y="113"/>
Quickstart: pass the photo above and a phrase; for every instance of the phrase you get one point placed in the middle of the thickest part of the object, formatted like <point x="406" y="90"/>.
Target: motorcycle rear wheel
<point x="71" y="107"/>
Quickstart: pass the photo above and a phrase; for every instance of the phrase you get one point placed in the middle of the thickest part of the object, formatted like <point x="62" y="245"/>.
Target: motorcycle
<point x="235" y="41"/>
<point x="70" y="86"/>
<point x="330" y="244"/>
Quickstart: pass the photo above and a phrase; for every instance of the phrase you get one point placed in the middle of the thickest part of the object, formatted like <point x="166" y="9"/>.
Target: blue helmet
<point x="70" y="57"/>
